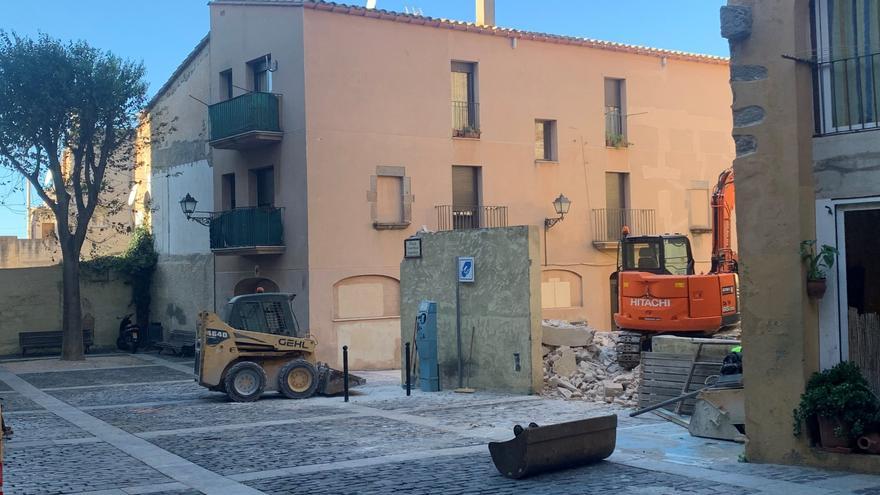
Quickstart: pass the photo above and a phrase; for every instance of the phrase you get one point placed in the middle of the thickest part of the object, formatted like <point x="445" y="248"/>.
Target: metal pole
<point x="345" y="370"/>
<point x="666" y="402"/>
<point x="408" y="377"/>
<point x="458" y="326"/>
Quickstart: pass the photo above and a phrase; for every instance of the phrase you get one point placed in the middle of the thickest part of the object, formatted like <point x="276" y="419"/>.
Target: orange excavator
<point x="659" y="292"/>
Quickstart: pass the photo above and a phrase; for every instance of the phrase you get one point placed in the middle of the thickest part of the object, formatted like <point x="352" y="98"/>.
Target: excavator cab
<point x="659" y="254"/>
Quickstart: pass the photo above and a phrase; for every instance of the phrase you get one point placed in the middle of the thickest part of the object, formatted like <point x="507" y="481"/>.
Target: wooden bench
<point x="180" y="342"/>
<point x="50" y="340"/>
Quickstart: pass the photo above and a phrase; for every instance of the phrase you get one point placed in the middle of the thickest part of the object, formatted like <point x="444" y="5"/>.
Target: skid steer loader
<point x="258" y="346"/>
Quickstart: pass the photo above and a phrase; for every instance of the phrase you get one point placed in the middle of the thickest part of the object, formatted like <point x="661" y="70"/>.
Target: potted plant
<point x="838" y="405"/>
<point x="817" y="263"/>
<point x="615" y="140"/>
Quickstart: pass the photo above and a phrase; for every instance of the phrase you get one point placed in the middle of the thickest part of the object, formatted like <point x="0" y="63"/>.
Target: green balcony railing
<point x="247" y="227"/>
<point x="245" y="113"/>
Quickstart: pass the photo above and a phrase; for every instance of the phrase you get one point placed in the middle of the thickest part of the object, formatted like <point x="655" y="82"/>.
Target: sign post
<point x="465" y="269"/>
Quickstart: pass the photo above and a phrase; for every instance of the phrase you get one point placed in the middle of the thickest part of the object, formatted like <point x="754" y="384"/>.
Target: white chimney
<point x="485" y="12"/>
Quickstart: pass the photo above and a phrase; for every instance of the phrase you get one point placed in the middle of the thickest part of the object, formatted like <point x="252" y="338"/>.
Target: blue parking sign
<point x="466" y="269"/>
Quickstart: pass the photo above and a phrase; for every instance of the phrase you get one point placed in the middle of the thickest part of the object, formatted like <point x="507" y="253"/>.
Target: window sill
<point x="366" y="318"/>
<point x="701" y="230"/>
<point x="467" y="138"/>
<point x="546" y="162"/>
<point x="390" y="225"/>
<point x="619" y="148"/>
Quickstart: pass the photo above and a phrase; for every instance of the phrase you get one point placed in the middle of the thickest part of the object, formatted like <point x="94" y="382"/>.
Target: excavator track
<point x="629" y="349"/>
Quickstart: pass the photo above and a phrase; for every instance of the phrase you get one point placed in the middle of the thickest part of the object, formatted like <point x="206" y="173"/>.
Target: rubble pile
<point x="580" y="364"/>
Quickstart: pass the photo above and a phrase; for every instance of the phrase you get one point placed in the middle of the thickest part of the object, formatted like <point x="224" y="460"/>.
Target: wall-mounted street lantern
<point x="188" y="205"/>
<point x="561" y="204"/>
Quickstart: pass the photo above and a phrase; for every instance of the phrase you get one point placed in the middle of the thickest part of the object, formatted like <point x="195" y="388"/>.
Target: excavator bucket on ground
<point x="540" y="449"/>
<point x="332" y="382"/>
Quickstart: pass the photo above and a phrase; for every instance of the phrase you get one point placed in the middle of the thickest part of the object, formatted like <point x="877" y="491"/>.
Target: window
<point x="264" y="182"/>
<point x="642" y="256"/>
<point x="228" y="191"/>
<point x="698" y="210"/>
<point x="466" y="197"/>
<point x="261" y="74"/>
<point x="676" y="256"/>
<point x="848" y="45"/>
<point x="616" y="199"/>
<point x="465" y="110"/>
<point x="47" y="230"/>
<point x="389" y="191"/>
<point x="615" y="117"/>
<point x="545" y="140"/>
<point x="226" y="84"/>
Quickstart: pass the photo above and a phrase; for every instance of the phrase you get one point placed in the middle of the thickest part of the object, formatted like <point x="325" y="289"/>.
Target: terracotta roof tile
<point x="488" y="30"/>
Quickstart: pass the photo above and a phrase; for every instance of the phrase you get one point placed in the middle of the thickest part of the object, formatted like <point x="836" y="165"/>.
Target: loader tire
<point x="298" y="379"/>
<point x="245" y="381"/>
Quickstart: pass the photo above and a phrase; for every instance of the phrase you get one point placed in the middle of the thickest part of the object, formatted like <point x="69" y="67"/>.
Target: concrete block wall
<point x="502" y="307"/>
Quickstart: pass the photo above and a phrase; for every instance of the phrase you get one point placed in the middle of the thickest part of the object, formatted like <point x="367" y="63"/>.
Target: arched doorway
<point x="249" y="286"/>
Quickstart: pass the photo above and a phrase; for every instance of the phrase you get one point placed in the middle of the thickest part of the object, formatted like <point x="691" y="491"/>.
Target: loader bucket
<point x="540" y="449"/>
<point x="331" y="381"/>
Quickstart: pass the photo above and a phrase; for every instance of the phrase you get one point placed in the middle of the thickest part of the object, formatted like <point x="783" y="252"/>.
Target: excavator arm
<point x="724" y="258"/>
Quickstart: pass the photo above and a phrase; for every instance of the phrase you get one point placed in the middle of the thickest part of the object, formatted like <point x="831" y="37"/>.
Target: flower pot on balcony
<point x="828" y="433"/>
<point x="816" y="288"/>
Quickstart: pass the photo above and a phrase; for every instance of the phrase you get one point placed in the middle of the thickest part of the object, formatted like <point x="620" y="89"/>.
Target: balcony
<point x="846" y="95"/>
<point x="247" y="121"/>
<point x="455" y="217"/>
<point x="465" y="119"/>
<point x="248" y="231"/>
<point x="608" y="224"/>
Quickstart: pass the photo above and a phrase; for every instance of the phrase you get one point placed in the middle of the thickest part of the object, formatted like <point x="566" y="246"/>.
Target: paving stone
<point x="14" y="402"/>
<point x="132" y="394"/>
<point x="179" y="416"/>
<point x="476" y="474"/>
<point x="72" y="469"/>
<point x="508" y="414"/>
<point x="257" y="449"/>
<point x="42" y="426"/>
<point x="791" y="474"/>
<point x="80" y="378"/>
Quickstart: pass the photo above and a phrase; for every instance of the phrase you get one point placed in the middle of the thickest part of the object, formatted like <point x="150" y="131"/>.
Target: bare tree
<point x="68" y="115"/>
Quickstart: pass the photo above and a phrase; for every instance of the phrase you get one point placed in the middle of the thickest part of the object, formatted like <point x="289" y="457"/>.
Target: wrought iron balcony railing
<point x="846" y="94"/>
<point x="608" y="223"/>
<point x="455" y="217"/>
<point x="465" y="119"/>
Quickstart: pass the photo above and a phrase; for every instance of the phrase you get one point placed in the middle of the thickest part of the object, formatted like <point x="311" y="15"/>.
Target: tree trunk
<point x="71" y="315"/>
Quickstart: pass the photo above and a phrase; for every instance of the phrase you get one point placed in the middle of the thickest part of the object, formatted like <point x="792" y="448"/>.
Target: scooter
<point x="129" y="334"/>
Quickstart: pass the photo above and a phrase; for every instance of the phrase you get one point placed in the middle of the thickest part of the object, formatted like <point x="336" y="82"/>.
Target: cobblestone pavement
<point x="121" y="424"/>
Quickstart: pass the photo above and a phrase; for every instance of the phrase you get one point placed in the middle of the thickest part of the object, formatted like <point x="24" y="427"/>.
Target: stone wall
<point x="30" y="301"/>
<point x="503" y="306"/>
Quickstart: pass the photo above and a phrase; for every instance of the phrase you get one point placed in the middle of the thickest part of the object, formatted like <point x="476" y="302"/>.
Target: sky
<point x="162" y="32"/>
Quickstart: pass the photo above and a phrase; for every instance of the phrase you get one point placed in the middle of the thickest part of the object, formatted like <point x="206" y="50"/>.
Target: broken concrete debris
<point x="582" y="365"/>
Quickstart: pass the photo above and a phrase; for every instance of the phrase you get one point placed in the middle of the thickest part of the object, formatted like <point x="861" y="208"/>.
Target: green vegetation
<point x="841" y="393"/>
<point x="817" y="263"/>
<point x="137" y="267"/>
